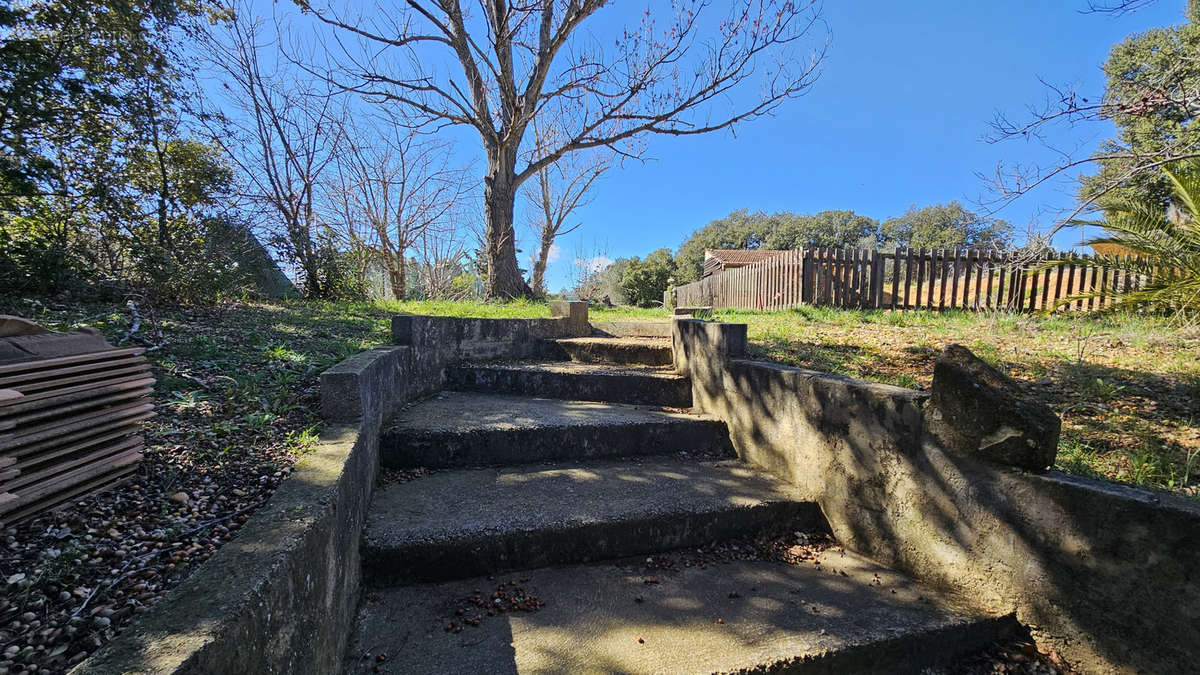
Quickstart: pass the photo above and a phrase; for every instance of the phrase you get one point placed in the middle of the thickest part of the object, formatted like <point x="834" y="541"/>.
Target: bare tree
<point x="588" y="274"/>
<point x="512" y="62"/>
<point x="557" y="191"/>
<point x="1066" y="106"/>
<point x="440" y="258"/>
<point x="1152" y="92"/>
<point x="282" y="142"/>
<point x="401" y="186"/>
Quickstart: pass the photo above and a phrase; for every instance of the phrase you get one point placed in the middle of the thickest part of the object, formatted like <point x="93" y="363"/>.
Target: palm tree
<point x="1161" y="249"/>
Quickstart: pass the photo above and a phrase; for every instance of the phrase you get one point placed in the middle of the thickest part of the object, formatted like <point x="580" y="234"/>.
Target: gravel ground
<point x="236" y="398"/>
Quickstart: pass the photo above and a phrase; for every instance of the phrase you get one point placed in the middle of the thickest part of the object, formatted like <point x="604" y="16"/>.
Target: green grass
<point x="1126" y="386"/>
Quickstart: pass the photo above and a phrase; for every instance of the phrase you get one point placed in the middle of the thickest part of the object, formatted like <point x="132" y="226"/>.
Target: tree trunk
<point x="399" y="288"/>
<point x="539" y="265"/>
<point x="504" y="279"/>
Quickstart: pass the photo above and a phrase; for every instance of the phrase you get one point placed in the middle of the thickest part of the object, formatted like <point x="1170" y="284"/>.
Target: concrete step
<point x="846" y="615"/>
<point x="648" y="328"/>
<point x="640" y="385"/>
<point x="473" y="429"/>
<point x="644" y="351"/>
<point x="463" y="523"/>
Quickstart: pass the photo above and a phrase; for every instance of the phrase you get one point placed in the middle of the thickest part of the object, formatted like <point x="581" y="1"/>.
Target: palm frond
<point x="1162" y="272"/>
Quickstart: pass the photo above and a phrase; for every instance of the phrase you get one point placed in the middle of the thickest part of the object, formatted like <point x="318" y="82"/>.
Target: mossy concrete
<point x="645" y="351"/>
<point x="632" y="329"/>
<point x="280" y="597"/>
<point x="846" y="615"/>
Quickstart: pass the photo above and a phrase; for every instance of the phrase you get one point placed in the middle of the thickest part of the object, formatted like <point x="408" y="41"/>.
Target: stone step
<point x="473" y="429"/>
<point x="644" y="351"/>
<point x="463" y="523"/>
<point x="648" y="328"/>
<point x="640" y="385"/>
<point x="846" y="615"/>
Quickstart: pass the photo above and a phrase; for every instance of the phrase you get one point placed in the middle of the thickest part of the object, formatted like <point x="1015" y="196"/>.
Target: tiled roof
<point x="739" y="256"/>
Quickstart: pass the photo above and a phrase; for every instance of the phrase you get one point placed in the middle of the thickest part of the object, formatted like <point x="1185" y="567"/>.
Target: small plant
<point x="1144" y="466"/>
<point x="304" y="440"/>
<point x="1099" y="389"/>
<point x="1162" y="246"/>
<point x="186" y="400"/>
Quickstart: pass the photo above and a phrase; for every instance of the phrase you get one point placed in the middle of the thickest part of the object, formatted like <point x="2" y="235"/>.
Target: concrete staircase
<point x="576" y="517"/>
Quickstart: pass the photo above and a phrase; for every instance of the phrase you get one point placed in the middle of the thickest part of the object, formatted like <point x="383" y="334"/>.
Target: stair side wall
<point x="1108" y="575"/>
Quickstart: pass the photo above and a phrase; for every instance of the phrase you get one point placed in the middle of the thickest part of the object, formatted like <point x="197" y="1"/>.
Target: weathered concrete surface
<point x="976" y="410"/>
<point x="282" y="596"/>
<point x="362" y="385"/>
<point x="645" y="351"/>
<point x="1107" y="575"/>
<point x="576" y="313"/>
<point x="462" y="523"/>
<point x="472" y="429"/>
<point x="713" y="341"/>
<point x="656" y="329"/>
<point x="278" y="599"/>
<point x="695" y="312"/>
<point x="638" y="385"/>
<point x="447" y="339"/>
<point x="852" y="616"/>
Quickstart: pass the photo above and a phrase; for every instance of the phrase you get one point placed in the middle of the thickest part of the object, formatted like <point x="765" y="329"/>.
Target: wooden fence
<point x="937" y="279"/>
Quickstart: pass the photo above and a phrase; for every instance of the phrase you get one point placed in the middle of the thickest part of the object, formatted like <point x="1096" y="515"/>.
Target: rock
<point x="181" y="497"/>
<point x="978" y="411"/>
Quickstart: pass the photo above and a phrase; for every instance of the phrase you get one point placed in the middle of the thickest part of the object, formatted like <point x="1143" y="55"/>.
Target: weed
<point x="303" y="441"/>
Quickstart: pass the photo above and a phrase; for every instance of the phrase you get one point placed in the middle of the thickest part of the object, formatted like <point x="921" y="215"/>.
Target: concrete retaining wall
<point x="282" y="596"/>
<point x="1107" y="575"/>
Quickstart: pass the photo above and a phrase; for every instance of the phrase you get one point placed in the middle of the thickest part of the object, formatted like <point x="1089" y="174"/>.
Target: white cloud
<point x="594" y="264"/>
<point x="554" y="253"/>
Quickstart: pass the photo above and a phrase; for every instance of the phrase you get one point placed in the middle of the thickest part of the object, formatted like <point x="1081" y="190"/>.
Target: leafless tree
<point x="557" y="191"/>
<point x="1117" y="6"/>
<point x="506" y="63"/>
<point x="1150" y="94"/>
<point x="440" y="258"/>
<point x="589" y="266"/>
<point x="402" y="187"/>
<point x="282" y="139"/>
<point x="1066" y="106"/>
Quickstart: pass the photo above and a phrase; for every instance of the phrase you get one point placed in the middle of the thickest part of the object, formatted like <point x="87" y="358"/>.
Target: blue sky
<point x="896" y="119"/>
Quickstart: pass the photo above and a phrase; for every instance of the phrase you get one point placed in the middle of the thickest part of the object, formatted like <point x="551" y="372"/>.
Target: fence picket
<point x="857" y="278"/>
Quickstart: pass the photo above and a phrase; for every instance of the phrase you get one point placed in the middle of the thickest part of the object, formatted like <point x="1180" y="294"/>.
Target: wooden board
<point x="69" y="424"/>
<point x="24" y="402"/>
<point x="68" y="360"/>
<point x="35" y="417"/>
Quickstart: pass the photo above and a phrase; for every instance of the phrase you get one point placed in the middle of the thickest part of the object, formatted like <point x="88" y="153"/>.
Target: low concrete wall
<point x="282" y="596"/>
<point x="1107" y="575"/>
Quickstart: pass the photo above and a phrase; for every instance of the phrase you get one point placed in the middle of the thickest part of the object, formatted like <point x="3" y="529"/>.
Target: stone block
<point x="978" y="411"/>
<point x="576" y="313"/>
